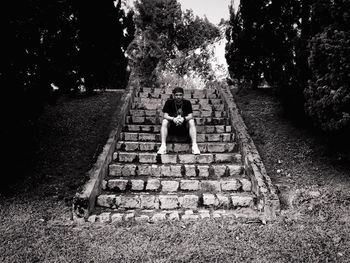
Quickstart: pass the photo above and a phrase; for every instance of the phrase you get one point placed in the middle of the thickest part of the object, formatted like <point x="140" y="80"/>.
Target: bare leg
<point x="192" y="131"/>
<point x="164" y="131"/>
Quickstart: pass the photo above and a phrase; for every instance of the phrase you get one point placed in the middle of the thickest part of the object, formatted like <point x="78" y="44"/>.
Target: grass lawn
<point x="314" y="225"/>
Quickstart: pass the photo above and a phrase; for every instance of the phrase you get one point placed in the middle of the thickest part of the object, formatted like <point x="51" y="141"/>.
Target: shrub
<point x="328" y="93"/>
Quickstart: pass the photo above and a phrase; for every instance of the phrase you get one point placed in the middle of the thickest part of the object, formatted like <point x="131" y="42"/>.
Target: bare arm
<point x="189" y="117"/>
<point x="167" y="117"/>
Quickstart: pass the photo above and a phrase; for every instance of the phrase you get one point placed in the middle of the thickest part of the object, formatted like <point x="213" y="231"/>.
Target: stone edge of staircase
<point x="85" y="198"/>
<point x="266" y="192"/>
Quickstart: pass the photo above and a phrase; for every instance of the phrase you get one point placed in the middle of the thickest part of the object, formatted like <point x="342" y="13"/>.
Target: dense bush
<point x="328" y="94"/>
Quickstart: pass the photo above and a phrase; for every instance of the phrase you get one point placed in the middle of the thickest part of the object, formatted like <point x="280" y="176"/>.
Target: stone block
<point x="216" y="147"/>
<point x="189" y="201"/>
<point x="129" y="217"/>
<point x="209" y="200"/>
<point x="147" y="137"/>
<point x="137" y="119"/>
<point x="142" y="218"/>
<point x="106" y="200"/>
<point x="170" y="186"/>
<point x="223" y="157"/>
<point x="149" y="202"/>
<point x="201" y="137"/>
<point x="174" y="216"/>
<point x="219" y="170"/>
<point x="104" y="217"/>
<point x="117" y="184"/>
<point x="203" y="170"/>
<point x="205" y="158"/>
<point x="220" y="128"/>
<point x="187" y="158"/>
<point x="211" y="186"/>
<point x="231" y="185"/>
<point x="209" y="129"/>
<point x="130" y="202"/>
<point x="234" y="169"/>
<point x="246" y="185"/>
<point x="131" y="146"/>
<point x="223" y="200"/>
<point x="169" y="201"/>
<point x="147" y="146"/>
<point x="165" y="171"/>
<point x="159" y="217"/>
<point x="147" y="157"/>
<point x="156" y="170"/>
<point x="137" y="185"/>
<point x="169" y="158"/>
<point x="144" y="170"/>
<point x="189" y="217"/>
<point x="153" y="185"/>
<point x="228" y="128"/>
<point x="227" y="137"/>
<point x="230" y="147"/>
<point x="190" y="170"/>
<point x="181" y="147"/>
<point x="213" y="137"/>
<point x="189" y="185"/>
<point x="130" y="136"/>
<point x="117" y="217"/>
<point x="242" y="200"/>
<point x="92" y="219"/>
<point x="204" y="214"/>
<point x="175" y="171"/>
<point x="127" y="157"/>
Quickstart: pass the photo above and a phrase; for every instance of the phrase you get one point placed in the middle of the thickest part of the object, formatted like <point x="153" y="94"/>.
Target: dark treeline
<point x="70" y="44"/>
<point x="302" y="49"/>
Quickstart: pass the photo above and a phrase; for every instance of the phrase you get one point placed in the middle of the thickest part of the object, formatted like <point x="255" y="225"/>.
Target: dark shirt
<point x="174" y="109"/>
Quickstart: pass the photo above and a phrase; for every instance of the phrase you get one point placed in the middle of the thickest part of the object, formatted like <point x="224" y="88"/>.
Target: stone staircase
<point x="143" y="186"/>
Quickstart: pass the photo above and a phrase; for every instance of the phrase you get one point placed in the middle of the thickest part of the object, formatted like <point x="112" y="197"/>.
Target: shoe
<point x="162" y="149"/>
<point x="195" y="149"/>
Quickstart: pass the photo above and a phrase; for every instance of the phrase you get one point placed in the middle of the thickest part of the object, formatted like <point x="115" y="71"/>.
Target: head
<point x="178" y="93"/>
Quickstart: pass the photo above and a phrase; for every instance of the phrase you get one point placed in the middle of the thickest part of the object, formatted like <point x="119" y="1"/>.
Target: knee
<point x="191" y="123"/>
<point x="165" y="123"/>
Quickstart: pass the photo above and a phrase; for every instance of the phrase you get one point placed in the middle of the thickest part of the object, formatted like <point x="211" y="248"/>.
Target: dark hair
<point x="178" y="89"/>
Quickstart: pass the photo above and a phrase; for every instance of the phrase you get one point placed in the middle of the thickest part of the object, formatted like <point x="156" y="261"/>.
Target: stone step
<point x="155" y="137"/>
<point x="152" y="104"/>
<point x="159" y="106"/>
<point x="146" y="200"/>
<point x="213" y="171"/>
<point x="115" y="216"/>
<point x="158" y="112"/>
<point x="170" y="91"/>
<point x="187" y="96"/>
<point x="167" y="185"/>
<point x="174" y="158"/>
<point x="204" y="147"/>
<point x="156" y="128"/>
<point x="158" y="120"/>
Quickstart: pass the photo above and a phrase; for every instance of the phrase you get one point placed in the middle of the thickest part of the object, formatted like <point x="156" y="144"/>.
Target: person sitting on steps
<point x="177" y="116"/>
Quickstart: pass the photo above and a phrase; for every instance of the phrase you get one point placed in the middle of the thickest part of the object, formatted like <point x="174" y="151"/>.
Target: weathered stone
<point x="156" y="170"/>
<point x="153" y="185"/>
<point x="137" y="185"/>
<point x="169" y="201"/>
<point x="227" y="137"/>
<point x="174" y="216"/>
<point x="117" y="217"/>
<point x="144" y="170"/>
<point x="201" y="137"/>
<point x="131" y="136"/>
<point x="189" y="201"/>
<point x="203" y="170"/>
<point x="213" y="137"/>
<point x="209" y="200"/>
<point x="219" y="170"/>
<point x="189" y="217"/>
<point x="189" y="185"/>
<point x="129" y="216"/>
<point x="228" y="128"/>
<point x="147" y="146"/>
<point x="223" y="157"/>
<point x="149" y="202"/>
<point x="204" y="214"/>
<point x="223" y="200"/>
<point x="246" y="185"/>
<point x="240" y="200"/>
<point x="205" y="158"/>
<point x="234" y="169"/>
<point x="130" y="202"/>
<point x="175" y="171"/>
<point x="92" y="219"/>
<point x="159" y="217"/>
<point x="181" y="147"/>
<point x="209" y="129"/>
<point x="230" y="185"/>
<point x="187" y="158"/>
<point x="117" y="184"/>
<point x="169" y="158"/>
<point x="147" y="137"/>
<point x="104" y="185"/>
<point x="170" y="186"/>
<point x="190" y="170"/>
<point x="147" y="157"/>
<point x="211" y="186"/>
<point x="220" y="128"/>
<point x="104" y="217"/>
<point x="131" y="146"/>
<point x="165" y="171"/>
<point x="127" y="157"/>
<point x="106" y="200"/>
<point x="216" y="147"/>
